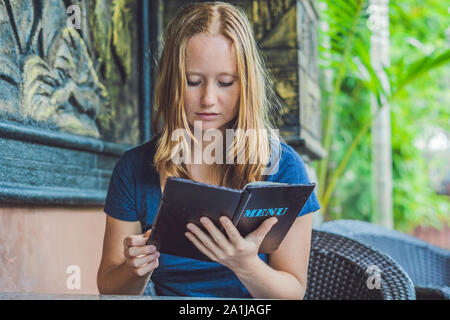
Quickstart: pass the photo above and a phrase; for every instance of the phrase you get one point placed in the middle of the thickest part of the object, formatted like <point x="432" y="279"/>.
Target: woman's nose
<point x="209" y="97"/>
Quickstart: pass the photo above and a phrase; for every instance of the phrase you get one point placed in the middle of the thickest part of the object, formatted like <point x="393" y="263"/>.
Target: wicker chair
<point x="428" y="266"/>
<point x="340" y="268"/>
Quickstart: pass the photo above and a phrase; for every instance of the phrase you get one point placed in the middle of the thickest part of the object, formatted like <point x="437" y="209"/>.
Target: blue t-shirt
<point x="134" y="194"/>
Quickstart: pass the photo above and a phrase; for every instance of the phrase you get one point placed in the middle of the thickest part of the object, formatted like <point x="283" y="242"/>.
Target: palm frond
<point x="344" y="21"/>
<point x="418" y="68"/>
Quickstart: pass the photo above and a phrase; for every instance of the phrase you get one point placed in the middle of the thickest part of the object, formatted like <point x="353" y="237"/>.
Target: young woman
<point x="210" y="77"/>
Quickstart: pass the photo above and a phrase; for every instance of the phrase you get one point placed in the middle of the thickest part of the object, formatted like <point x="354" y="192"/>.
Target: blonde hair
<point x="257" y="98"/>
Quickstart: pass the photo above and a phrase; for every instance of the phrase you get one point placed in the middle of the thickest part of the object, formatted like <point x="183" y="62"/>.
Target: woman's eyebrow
<point x="220" y="74"/>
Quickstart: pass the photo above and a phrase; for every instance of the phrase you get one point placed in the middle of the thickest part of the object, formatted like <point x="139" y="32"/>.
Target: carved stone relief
<point x="46" y="73"/>
<point x="68" y="98"/>
<point x="286" y="30"/>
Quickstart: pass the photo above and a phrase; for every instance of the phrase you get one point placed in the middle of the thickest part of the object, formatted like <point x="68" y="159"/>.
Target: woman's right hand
<point x="141" y="258"/>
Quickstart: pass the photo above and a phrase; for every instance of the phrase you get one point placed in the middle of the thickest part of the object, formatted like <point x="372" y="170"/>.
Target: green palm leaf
<point x="343" y="28"/>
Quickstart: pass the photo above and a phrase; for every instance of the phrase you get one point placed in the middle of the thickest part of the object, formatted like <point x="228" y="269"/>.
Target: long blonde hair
<point x="257" y="99"/>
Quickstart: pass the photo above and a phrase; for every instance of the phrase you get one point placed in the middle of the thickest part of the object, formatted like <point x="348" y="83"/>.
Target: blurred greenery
<point x="419" y="98"/>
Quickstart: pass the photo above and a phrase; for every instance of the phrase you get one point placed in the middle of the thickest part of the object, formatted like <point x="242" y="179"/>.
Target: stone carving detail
<point x="46" y="73"/>
<point x="66" y="90"/>
<point x="286" y="31"/>
<point x="275" y="27"/>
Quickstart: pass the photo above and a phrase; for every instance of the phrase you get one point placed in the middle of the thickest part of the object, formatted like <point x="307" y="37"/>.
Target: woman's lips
<point x="207" y="116"/>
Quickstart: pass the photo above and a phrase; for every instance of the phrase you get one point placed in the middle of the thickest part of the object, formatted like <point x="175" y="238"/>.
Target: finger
<point x="131" y="252"/>
<point x="204" y="238"/>
<point x="135" y="240"/>
<point x="149" y="267"/>
<point x="232" y="232"/>
<point x="216" y="234"/>
<point x="197" y="243"/>
<point x="262" y="230"/>
<point x="140" y="261"/>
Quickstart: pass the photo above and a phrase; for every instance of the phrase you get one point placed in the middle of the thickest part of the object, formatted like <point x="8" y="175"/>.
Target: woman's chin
<point x="207" y="125"/>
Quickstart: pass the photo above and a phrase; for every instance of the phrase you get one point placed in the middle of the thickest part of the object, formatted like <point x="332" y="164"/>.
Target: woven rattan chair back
<point x="344" y="269"/>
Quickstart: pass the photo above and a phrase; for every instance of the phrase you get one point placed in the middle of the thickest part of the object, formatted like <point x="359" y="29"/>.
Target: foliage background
<point x="418" y="32"/>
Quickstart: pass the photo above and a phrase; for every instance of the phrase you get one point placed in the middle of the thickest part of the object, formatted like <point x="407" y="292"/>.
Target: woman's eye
<point x="193" y="84"/>
<point x="222" y="84"/>
<point x="226" y="84"/>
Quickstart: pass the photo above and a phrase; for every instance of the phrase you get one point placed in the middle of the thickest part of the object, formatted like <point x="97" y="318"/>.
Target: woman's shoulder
<point x="290" y="165"/>
<point x="289" y="156"/>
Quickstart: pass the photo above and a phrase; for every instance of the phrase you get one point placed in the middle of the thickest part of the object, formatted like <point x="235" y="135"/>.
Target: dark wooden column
<point x="286" y="31"/>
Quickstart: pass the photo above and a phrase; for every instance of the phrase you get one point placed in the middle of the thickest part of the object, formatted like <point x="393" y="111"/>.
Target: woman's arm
<point x="284" y="277"/>
<point x="127" y="263"/>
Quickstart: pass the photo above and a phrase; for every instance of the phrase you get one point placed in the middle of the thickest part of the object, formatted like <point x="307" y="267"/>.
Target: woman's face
<point x="213" y="88"/>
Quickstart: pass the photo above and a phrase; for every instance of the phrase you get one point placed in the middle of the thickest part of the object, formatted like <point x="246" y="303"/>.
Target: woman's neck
<point x="203" y="152"/>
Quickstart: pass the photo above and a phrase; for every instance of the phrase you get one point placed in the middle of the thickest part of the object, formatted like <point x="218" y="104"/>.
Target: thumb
<point x="147" y="233"/>
<point x="263" y="229"/>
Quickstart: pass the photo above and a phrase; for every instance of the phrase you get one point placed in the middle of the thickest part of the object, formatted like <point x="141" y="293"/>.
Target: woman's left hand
<point x="235" y="252"/>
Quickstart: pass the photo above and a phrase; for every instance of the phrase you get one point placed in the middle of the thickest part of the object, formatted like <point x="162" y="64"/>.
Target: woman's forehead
<point x="213" y="52"/>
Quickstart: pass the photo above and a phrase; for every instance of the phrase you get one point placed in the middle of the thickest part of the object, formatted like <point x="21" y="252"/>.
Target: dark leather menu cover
<point x="185" y="201"/>
<point x="283" y="201"/>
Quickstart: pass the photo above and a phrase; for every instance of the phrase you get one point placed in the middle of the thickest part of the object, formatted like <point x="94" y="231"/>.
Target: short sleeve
<point x="120" y="200"/>
<point x="293" y="170"/>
